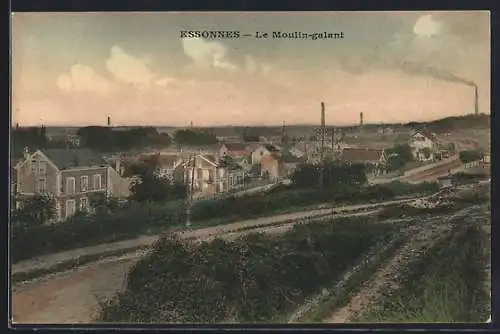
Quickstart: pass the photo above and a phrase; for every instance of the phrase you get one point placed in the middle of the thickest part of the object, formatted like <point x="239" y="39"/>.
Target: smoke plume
<point x="420" y="69"/>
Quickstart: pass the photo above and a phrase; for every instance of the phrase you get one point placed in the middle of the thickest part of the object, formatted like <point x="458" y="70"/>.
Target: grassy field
<point x="443" y="286"/>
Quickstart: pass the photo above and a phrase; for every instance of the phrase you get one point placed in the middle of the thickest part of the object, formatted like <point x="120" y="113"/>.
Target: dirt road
<point x="47" y="261"/>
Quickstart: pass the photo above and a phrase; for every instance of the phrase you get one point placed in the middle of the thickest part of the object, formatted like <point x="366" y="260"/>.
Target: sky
<point x="77" y="68"/>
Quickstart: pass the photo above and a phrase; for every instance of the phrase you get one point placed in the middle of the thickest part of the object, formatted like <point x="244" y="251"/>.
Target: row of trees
<point x="191" y="137"/>
<point x="329" y="174"/>
<point x="106" y="139"/>
<point x="470" y="156"/>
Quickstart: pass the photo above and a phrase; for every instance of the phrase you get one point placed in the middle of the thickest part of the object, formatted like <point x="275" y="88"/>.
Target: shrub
<point x="256" y="278"/>
<point x="140" y="218"/>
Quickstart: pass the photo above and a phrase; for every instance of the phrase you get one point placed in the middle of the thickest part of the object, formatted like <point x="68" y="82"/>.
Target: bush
<point x="141" y="218"/>
<point x="256" y="278"/>
<point x="82" y="231"/>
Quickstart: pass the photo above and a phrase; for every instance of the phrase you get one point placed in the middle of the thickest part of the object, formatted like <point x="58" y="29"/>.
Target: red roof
<point x="361" y="154"/>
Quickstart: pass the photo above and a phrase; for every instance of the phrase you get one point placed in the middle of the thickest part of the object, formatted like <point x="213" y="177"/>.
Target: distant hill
<point x="455" y="123"/>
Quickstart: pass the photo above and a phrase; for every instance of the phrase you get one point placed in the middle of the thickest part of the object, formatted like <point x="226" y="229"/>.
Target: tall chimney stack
<point x="322" y="115"/>
<point x="109" y="120"/>
<point x="476" y="98"/>
<point x="361" y="119"/>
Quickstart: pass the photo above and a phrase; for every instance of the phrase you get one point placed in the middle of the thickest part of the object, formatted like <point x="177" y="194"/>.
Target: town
<point x="228" y="165"/>
<point x="197" y="180"/>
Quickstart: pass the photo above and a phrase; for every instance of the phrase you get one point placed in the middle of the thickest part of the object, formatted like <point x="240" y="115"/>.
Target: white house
<point x="423" y="145"/>
<point x="211" y="175"/>
<point x="262" y="151"/>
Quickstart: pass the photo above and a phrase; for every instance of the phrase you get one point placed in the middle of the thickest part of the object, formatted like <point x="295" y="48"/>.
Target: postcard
<point x="250" y="167"/>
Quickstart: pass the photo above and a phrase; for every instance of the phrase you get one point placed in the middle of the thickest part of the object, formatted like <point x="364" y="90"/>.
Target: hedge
<point x="257" y="278"/>
<point x="138" y="219"/>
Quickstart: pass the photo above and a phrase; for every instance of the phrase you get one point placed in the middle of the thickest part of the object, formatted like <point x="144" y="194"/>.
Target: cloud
<point x="129" y="69"/>
<point x="164" y="82"/>
<point x="83" y="78"/>
<point x="434" y="45"/>
<point x="207" y="53"/>
<point x="252" y="66"/>
<point x="426" y="26"/>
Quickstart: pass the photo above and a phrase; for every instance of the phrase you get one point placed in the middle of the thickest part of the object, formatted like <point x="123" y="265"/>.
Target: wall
<point x="417" y="145"/>
<point x="120" y="187"/>
<point x="258" y="154"/>
<point x="27" y="180"/>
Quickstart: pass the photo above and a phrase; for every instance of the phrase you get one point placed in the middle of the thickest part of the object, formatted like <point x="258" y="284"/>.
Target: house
<point x="374" y="158"/>
<point x="70" y="176"/>
<point x="165" y="164"/>
<point x="272" y="167"/>
<point x="234" y="150"/>
<point x="423" y="145"/>
<point x="263" y="150"/>
<point x="208" y="174"/>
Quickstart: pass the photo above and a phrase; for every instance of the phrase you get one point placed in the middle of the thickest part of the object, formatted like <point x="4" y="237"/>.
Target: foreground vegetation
<point x="257" y="278"/>
<point x="116" y="224"/>
<point x="442" y="286"/>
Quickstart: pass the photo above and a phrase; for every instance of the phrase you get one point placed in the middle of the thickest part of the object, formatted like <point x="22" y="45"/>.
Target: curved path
<point x="73" y="296"/>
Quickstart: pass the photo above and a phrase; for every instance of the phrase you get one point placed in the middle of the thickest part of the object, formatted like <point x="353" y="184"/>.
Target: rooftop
<point x="361" y="154"/>
<point x="71" y="158"/>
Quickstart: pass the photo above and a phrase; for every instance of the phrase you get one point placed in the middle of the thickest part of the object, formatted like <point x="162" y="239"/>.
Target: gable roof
<point x="71" y="158"/>
<point x="426" y="133"/>
<point x="362" y="154"/>
<point x="235" y="146"/>
<point x="271" y="148"/>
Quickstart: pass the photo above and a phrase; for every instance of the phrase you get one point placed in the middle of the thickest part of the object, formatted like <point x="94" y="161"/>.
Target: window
<point x="70" y="185"/>
<point x="41" y="185"/>
<point x="84" y="183"/>
<point x="84" y="204"/>
<point x="42" y="167"/>
<point x="70" y="207"/>
<point x="97" y="181"/>
<point x="58" y="210"/>
<point x="33" y="166"/>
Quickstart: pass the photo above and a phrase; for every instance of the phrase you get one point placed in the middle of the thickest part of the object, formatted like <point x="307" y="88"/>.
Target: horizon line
<point x="238" y="125"/>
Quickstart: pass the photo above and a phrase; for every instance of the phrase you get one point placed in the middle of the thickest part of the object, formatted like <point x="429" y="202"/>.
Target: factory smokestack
<point x="361" y="119"/>
<point x="109" y="121"/>
<point x="322" y="114"/>
<point x="476" y="98"/>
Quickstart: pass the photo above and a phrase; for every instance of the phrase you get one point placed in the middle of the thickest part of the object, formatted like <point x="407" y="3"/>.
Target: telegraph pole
<point x="190" y="192"/>
<point x="322" y="135"/>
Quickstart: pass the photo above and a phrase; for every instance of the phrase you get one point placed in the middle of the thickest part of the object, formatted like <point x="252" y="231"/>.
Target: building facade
<point x="70" y="176"/>
<point x="423" y="145"/>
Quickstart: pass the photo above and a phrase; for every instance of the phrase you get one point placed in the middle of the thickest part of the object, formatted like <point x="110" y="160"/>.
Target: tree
<point x="307" y="175"/>
<point x="148" y="186"/>
<point x="470" y="156"/>
<point x="100" y="203"/>
<point x="399" y="156"/>
<point x="194" y="138"/>
<point x="33" y="137"/>
<point x="34" y="211"/>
